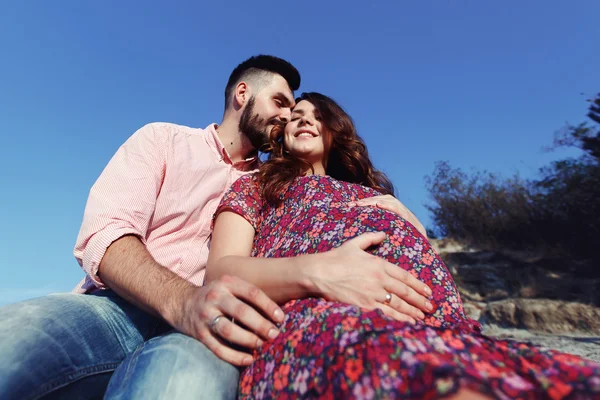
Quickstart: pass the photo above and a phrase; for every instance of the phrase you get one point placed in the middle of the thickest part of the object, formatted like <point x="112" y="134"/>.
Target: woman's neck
<point x="319" y="169"/>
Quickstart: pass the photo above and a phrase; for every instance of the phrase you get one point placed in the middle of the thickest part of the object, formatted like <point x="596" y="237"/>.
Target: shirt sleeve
<point x="123" y="199"/>
<point x="244" y="199"/>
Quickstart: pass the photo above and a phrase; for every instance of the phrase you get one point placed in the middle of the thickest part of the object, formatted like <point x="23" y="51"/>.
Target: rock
<point x="473" y="309"/>
<point x="489" y="276"/>
<point x="442" y="246"/>
<point x="528" y="297"/>
<point x="544" y="315"/>
<point x="585" y="346"/>
<point x="483" y="281"/>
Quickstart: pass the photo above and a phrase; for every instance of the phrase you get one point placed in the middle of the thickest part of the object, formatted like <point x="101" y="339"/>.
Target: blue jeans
<point x="73" y="346"/>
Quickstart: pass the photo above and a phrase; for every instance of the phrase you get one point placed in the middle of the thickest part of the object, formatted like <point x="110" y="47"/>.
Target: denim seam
<point x="134" y="359"/>
<point x="72" y="377"/>
<point x="113" y="328"/>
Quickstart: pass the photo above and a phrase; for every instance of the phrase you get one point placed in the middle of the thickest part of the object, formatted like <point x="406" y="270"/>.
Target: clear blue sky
<point x="481" y="84"/>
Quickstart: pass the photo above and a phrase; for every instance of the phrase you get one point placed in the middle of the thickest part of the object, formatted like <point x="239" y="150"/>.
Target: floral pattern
<point x="334" y="350"/>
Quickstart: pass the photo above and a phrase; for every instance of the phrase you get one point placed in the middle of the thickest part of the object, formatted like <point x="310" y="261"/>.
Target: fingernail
<point x="273" y="333"/>
<point x="412" y="321"/>
<point x="259" y="343"/>
<point x="421" y="315"/>
<point x="428" y="306"/>
<point x="428" y="291"/>
<point x="278" y="315"/>
<point x="352" y="204"/>
<point x="248" y="360"/>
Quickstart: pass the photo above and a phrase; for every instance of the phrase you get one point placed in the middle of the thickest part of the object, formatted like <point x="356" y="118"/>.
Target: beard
<point x="253" y="126"/>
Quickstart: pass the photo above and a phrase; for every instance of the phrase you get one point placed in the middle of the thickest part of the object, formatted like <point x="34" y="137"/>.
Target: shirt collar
<point x="212" y="138"/>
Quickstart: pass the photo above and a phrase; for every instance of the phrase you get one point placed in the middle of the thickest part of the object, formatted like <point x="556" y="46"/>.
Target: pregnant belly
<point x="317" y="231"/>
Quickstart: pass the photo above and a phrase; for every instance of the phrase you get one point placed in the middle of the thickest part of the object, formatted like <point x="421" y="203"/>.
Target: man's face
<point x="271" y="106"/>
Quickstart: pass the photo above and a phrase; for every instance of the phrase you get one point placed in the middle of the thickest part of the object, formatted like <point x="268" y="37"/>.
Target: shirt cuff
<point x="96" y="248"/>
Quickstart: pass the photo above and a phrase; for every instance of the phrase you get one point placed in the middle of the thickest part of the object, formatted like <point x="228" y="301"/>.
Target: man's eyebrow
<point x="285" y="99"/>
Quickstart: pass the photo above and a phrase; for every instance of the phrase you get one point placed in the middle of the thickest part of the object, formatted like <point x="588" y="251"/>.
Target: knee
<point x="178" y="366"/>
<point x="42" y="327"/>
<point x="191" y="356"/>
<point x="31" y="343"/>
<point x="27" y="326"/>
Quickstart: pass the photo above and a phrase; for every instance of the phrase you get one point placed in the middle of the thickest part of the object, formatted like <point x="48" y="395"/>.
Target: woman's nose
<point x="306" y="120"/>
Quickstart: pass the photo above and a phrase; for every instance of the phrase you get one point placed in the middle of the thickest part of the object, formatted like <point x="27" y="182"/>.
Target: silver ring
<point x="213" y="324"/>
<point x="388" y="298"/>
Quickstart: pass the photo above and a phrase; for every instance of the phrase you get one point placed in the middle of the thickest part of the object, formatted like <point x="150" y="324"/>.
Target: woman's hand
<point x="348" y="274"/>
<point x="392" y="204"/>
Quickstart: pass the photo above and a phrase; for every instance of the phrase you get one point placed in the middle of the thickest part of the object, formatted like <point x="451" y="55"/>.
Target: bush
<point x="558" y="213"/>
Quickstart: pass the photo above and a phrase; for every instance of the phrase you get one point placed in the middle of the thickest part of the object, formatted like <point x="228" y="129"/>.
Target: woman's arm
<point x="347" y="274"/>
<point x="282" y="279"/>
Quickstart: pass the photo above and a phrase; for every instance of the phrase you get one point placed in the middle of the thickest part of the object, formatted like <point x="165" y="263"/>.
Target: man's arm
<point x="111" y="250"/>
<point x="123" y="198"/>
<point x="129" y="269"/>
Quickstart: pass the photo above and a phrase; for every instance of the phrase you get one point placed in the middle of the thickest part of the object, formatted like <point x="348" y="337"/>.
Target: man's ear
<point x="241" y="94"/>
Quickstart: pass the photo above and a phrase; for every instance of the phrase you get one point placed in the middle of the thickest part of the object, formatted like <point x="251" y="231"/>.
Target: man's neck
<point x="236" y="143"/>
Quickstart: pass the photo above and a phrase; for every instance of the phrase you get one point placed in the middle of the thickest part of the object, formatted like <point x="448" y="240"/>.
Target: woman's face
<point x="303" y="135"/>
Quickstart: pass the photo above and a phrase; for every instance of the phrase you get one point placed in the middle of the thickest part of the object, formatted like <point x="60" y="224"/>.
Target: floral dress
<point x="336" y="351"/>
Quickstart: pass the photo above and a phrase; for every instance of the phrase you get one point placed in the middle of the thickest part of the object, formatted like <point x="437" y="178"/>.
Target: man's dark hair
<point x="258" y="72"/>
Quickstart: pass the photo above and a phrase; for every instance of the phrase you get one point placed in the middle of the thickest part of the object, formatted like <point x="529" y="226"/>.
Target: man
<point x="146" y="327"/>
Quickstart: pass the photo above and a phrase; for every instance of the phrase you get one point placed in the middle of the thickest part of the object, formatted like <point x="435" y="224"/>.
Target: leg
<point x="468" y="394"/>
<point x="173" y="366"/>
<point x="67" y="341"/>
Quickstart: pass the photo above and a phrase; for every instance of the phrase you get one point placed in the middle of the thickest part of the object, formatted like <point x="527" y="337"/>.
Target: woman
<point x="313" y="194"/>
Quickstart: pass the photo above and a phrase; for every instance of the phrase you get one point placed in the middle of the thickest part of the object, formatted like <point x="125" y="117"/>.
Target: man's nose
<point x="286" y="115"/>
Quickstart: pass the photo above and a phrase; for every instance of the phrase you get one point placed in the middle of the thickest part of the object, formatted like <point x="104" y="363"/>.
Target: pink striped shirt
<point x="162" y="185"/>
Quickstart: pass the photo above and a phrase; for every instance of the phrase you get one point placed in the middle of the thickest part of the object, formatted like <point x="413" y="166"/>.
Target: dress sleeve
<point x="244" y="198"/>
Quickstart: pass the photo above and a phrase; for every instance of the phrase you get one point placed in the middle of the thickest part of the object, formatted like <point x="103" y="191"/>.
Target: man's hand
<point x="351" y="275"/>
<point x="229" y="298"/>
<point x="392" y="204"/>
<point x="129" y="269"/>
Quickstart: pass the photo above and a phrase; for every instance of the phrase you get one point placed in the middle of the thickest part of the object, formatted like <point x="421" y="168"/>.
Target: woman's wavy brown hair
<point x="347" y="158"/>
